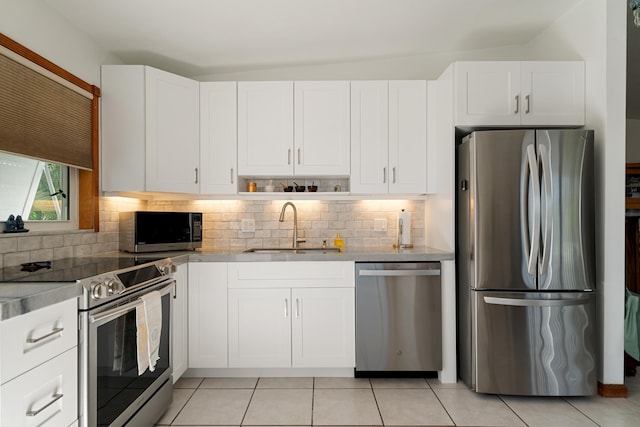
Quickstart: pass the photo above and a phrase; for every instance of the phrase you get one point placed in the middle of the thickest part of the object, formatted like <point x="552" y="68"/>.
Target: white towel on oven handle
<point x="149" y="330"/>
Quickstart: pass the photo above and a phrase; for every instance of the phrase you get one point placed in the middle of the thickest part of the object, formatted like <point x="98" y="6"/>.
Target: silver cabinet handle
<point x="53" y="332"/>
<point x="384" y="175"/>
<point x="231" y="173"/>
<point x="433" y="272"/>
<point x="297" y="307"/>
<point x="53" y="400"/>
<point x="517" y="302"/>
<point x="528" y="104"/>
<point x="394" y="175"/>
<point x="196" y="169"/>
<point x="289" y="156"/>
<point x="517" y="111"/>
<point x="286" y="308"/>
<point x="298" y="156"/>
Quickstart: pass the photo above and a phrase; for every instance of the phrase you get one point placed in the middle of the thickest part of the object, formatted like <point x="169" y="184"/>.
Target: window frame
<point x="87" y="212"/>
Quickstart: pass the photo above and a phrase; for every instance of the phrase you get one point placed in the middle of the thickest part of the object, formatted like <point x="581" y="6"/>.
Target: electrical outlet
<point x="248" y="225"/>
<point x="380" y="224"/>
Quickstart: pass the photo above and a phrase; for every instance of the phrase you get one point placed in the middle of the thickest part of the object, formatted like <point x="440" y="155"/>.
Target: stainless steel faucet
<point x="295" y="221"/>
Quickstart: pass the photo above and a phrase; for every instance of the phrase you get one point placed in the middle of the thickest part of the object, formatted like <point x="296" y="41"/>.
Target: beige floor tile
<point x="468" y="408"/>
<point x="229" y="383"/>
<point x="410" y="407"/>
<point x="293" y="382"/>
<point x="399" y="383"/>
<point x="214" y="407"/>
<point x="608" y="412"/>
<point x="435" y="383"/>
<point x="280" y="407"/>
<point x="188" y="382"/>
<point x="340" y="382"/>
<point x="547" y="411"/>
<point x="345" y="407"/>
<point x="180" y="398"/>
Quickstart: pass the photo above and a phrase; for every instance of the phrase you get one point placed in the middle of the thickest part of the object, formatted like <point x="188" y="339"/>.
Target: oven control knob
<point x="114" y="287"/>
<point x="99" y="290"/>
<point x="167" y="268"/>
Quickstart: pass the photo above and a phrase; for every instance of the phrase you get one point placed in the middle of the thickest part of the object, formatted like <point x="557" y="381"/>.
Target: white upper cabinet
<point x="511" y="93"/>
<point x="150" y="133"/>
<point x="276" y="139"/>
<point x="321" y="128"/>
<point x="553" y="93"/>
<point x="218" y="138"/>
<point x="265" y="128"/>
<point x="389" y="136"/>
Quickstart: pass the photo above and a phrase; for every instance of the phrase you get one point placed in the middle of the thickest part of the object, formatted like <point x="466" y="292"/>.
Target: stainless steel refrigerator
<point x="525" y="262"/>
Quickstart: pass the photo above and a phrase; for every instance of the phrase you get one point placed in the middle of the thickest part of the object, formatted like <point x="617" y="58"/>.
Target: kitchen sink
<point x="291" y="250"/>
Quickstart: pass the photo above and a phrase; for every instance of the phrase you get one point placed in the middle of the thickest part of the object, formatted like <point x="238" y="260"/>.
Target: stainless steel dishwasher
<point x="398" y="317"/>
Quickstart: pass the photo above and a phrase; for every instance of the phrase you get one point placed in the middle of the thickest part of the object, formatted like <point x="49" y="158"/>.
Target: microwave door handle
<point x="116" y="312"/>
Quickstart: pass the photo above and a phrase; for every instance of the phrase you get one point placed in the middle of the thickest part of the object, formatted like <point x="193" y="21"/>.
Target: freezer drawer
<point x="398" y="317"/>
<point x="536" y="343"/>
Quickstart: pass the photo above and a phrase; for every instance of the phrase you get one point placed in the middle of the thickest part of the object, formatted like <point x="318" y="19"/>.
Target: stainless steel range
<point x="112" y="393"/>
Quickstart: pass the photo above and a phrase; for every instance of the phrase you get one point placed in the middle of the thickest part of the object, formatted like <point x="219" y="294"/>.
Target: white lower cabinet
<point x="259" y="328"/>
<point x="45" y="395"/>
<point x="323" y="328"/>
<point x="291" y="314"/>
<point x="180" y="320"/>
<point x="207" y="315"/>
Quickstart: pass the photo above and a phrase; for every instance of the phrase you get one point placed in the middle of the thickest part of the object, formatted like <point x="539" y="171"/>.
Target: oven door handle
<point x="122" y="309"/>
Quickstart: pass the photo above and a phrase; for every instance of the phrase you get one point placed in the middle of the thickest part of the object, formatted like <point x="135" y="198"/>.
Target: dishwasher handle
<point x="428" y="272"/>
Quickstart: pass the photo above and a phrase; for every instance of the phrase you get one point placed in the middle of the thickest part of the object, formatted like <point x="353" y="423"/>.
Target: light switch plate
<point x="248" y="225"/>
<point x="380" y="224"/>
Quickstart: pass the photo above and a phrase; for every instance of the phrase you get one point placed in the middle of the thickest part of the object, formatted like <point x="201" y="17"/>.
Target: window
<point x="38" y="191"/>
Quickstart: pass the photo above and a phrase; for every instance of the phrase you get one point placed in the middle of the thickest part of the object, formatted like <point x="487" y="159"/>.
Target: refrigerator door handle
<point x="518" y="302"/>
<point x="531" y="163"/>
<point x="546" y="179"/>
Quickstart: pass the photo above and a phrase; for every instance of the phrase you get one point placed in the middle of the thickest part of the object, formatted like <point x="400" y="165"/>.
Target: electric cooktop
<point x="69" y="269"/>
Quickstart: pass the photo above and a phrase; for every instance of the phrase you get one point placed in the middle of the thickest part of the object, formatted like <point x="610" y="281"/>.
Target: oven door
<point x="113" y="390"/>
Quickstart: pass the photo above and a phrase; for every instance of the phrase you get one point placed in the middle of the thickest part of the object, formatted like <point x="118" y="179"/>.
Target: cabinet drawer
<point x="32" y="339"/>
<point x="46" y="395"/>
<point x="326" y="274"/>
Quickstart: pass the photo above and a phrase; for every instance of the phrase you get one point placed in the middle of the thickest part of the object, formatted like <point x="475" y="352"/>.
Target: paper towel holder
<point x="399" y="239"/>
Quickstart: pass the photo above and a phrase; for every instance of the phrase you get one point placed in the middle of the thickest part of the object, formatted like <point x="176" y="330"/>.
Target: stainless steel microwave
<point x="143" y="231"/>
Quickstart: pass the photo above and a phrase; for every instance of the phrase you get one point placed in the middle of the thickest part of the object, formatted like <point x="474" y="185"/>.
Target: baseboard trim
<point x="612" y="390"/>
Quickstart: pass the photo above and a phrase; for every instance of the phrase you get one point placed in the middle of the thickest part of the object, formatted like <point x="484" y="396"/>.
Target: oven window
<point x="118" y="383"/>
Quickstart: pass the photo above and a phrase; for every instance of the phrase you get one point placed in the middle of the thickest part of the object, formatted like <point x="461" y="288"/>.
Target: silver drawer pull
<point x="53" y="332"/>
<point x="433" y="272"/>
<point x="54" y="399"/>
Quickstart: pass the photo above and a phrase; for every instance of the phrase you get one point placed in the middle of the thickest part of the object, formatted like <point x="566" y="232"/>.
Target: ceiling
<point x="199" y="37"/>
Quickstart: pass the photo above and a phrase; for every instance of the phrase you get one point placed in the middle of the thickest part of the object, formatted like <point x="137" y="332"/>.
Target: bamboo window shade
<point x="43" y="119"/>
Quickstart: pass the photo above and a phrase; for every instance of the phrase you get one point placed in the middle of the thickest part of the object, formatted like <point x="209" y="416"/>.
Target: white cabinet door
<point x="369" y="136"/>
<point x="33" y="338"/>
<point x="180" y="327"/>
<point x="207" y="315"/>
<point x="408" y="136"/>
<point x="265" y="128"/>
<point x="47" y="395"/>
<point x="487" y="93"/>
<point x="173" y="134"/>
<point x="122" y="128"/>
<point x="218" y="138"/>
<point x="321" y="126"/>
<point x="259" y="328"/>
<point x="552" y="93"/>
<point x="323" y="328"/>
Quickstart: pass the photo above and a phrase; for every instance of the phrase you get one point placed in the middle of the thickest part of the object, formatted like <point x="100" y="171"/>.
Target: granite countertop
<point x="18" y="298"/>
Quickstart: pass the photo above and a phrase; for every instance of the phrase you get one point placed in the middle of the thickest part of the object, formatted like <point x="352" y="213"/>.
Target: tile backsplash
<point x="318" y="220"/>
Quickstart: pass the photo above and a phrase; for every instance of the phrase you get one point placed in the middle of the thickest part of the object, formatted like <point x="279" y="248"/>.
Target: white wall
<point x="633" y="141"/>
<point x="32" y="24"/>
<point x="596" y="31"/>
<point x="427" y="67"/>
